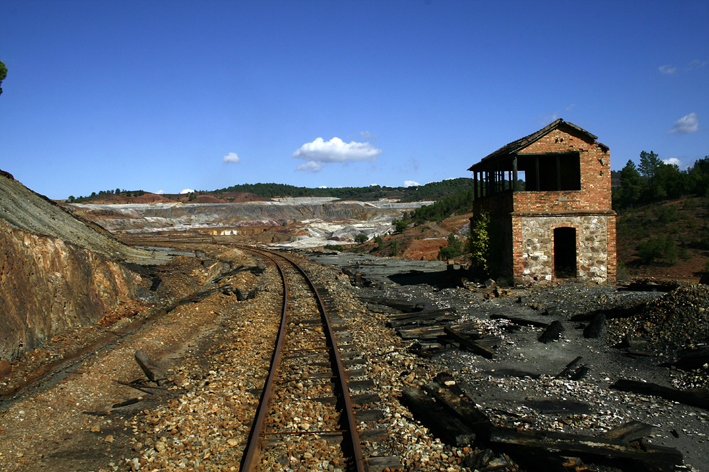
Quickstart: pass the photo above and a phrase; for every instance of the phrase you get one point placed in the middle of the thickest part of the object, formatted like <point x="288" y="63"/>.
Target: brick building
<point x="549" y="199"/>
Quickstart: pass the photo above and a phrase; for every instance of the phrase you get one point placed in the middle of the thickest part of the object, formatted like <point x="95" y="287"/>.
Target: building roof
<point x="516" y="146"/>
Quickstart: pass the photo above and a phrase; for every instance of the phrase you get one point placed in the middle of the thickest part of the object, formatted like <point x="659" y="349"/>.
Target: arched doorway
<point x="564" y="253"/>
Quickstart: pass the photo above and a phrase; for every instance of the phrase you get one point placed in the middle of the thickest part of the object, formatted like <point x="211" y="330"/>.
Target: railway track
<point x="306" y="397"/>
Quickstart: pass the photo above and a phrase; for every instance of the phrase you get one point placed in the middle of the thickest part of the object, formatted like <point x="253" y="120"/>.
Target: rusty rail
<point x="253" y="447"/>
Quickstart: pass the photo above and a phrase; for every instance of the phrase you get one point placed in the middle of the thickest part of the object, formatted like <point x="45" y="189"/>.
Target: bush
<point x="395" y="248"/>
<point x="361" y="238"/>
<point x="454" y="248"/>
<point x="379" y="241"/>
<point x="622" y="274"/>
<point x="479" y="242"/>
<point x="334" y="247"/>
<point x="400" y="225"/>
<point x="651" y="250"/>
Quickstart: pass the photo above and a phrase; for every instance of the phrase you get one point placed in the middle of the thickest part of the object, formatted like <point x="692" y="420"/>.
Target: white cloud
<point x="686" y="124"/>
<point x="319" y="153"/>
<point x="673" y="161"/>
<point x="160" y="192"/>
<point x="667" y="69"/>
<point x="411" y="183"/>
<point x="311" y="166"/>
<point x="231" y="158"/>
<point x="187" y="190"/>
<point x="696" y="64"/>
<point x="366" y="135"/>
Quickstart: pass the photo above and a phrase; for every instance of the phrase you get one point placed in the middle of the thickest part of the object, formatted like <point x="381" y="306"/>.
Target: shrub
<point x="400" y="225"/>
<point x="479" y="242"/>
<point x="334" y="247"/>
<point x="651" y="250"/>
<point x="395" y="248"/>
<point x="361" y="238"/>
<point x="379" y="241"/>
<point x="622" y="274"/>
<point x="454" y="248"/>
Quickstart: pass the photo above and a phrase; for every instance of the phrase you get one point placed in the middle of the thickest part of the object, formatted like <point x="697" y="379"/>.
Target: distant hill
<point x="263" y="192"/>
<point x="430" y="191"/>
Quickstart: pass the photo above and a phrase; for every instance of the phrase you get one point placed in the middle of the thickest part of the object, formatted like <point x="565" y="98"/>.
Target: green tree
<point x="698" y="177"/>
<point x="379" y="241"/>
<point x="3" y="74"/>
<point x="400" y="225"/>
<point x="630" y="185"/>
<point x="649" y="163"/>
<point x="361" y="238"/>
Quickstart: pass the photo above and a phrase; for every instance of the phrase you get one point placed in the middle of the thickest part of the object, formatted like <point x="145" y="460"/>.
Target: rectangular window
<point x="550" y="172"/>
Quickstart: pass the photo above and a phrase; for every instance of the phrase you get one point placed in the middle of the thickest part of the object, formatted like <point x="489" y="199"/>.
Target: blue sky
<point x="174" y="95"/>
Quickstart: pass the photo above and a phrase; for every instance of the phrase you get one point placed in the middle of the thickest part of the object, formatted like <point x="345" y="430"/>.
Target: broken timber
<point x="698" y="398"/>
<point x="449" y="428"/>
<point x="571" y="372"/>
<point x="571" y="444"/>
<point x="422" y="317"/>
<point x="474" y="346"/>
<point x="151" y="370"/>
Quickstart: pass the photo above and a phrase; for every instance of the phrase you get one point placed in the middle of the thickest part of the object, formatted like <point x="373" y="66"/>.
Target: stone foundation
<point x="533" y="247"/>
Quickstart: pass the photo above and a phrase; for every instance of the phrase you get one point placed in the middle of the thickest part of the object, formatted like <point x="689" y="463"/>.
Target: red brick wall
<point x="595" y="193"/>
<point x="593" y="198"/>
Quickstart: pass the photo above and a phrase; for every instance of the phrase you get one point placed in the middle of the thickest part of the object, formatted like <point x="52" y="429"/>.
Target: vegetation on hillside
<point x="653" y="180"/>
<point x="457" y="203"/>
<point x="103" y="193"/>
<point x="430" y="191"/>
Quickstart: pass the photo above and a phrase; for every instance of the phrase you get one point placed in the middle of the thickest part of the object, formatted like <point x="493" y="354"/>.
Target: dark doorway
<point x="564" y="253"/>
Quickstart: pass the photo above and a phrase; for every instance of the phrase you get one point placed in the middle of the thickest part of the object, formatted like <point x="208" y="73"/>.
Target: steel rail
<point x="341" y="380"/>
<point x="253" y="446"/>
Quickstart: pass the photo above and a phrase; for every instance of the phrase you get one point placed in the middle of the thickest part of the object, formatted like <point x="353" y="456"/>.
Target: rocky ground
<point x="82" y="419"/>
<point x="517" y="388"/>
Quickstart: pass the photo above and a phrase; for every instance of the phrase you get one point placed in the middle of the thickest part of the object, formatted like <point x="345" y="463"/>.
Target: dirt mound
<point x="29" y="211"/>
<point x="675" y="321"/>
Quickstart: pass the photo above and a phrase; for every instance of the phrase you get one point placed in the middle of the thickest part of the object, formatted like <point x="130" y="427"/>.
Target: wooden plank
<point x="151" y="370"/>
<point x="427" y="332"/>
<point x="373" y="434"/>
<point x="402" y="305"/>
<point x="427" y="319"/>
<point x="461" y="406"/>
<point x="448" y="428"/>
<point x="377" y="464"/>
<point x="570" y="444"/>
<point x="369" y="415"/>
<point x="520" y="321"/>
<point x="420" y="314"/>
<point x="631" y="431"/>
<point x="694" y="398"/>
<point x="470" y="345"/>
